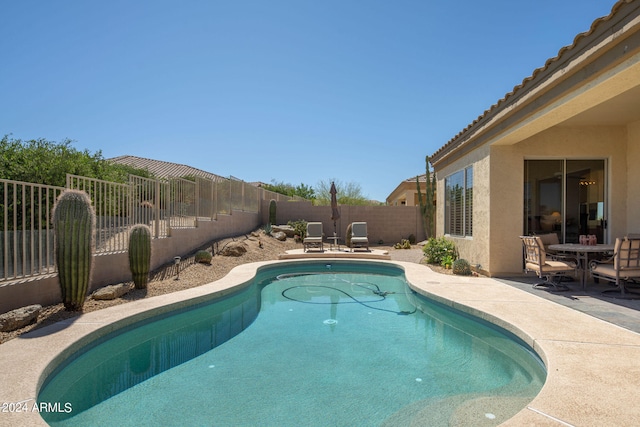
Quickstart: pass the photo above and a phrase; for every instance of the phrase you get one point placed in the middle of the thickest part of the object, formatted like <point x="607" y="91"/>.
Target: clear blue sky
<point x="295" y="91"/>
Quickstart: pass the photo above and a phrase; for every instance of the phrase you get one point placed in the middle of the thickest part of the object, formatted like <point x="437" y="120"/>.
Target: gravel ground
<point x="260" y="247"/>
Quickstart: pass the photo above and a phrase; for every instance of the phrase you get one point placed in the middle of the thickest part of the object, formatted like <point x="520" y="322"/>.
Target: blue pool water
<point x="313" y="344"/>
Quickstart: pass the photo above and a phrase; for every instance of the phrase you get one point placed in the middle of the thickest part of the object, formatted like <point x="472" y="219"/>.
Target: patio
<point x="621" y="312"/>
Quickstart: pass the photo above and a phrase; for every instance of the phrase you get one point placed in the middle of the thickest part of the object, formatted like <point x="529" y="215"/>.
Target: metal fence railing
<point x="112" y="204"/>
<point x="26" y="234"/>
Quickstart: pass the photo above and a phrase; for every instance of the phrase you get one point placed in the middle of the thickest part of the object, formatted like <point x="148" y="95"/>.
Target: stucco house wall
<point x="474" y="249"/>
<point x="633" y="177"/>
<point x="507" y="190"/>
<point x="582" y="104"/>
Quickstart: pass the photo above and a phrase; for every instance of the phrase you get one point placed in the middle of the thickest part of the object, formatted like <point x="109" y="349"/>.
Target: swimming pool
<point x="321" y="344"/>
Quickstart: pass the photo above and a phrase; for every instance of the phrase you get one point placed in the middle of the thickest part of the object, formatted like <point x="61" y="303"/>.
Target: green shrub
<point x="299" y="227"/>
<point x="436" y="250"/>
<point x="203" y="257"/>
<point x="447" y="261"/>
<point x="461" y="267"/>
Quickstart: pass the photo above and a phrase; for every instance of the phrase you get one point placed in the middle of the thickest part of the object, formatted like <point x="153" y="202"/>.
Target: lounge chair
<point x="547" y="267"/>
<point x="622" y="268"/>
<point x="314" y="236"/>
<point x="359" y="238"/>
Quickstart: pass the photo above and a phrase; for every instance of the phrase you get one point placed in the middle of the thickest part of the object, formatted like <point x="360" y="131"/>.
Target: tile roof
<point x="517" y="90"/>
<point x="162" y="169"/>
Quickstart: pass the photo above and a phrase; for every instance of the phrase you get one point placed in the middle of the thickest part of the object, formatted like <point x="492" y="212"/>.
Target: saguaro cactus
<point x="272" y="212"/>
<point x="74" y="224"/>
<point x="427" y="209"/>
<point x="140" y="255"/>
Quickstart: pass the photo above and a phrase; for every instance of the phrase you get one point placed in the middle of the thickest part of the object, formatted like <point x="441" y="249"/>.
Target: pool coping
<point x="592" y="369"/>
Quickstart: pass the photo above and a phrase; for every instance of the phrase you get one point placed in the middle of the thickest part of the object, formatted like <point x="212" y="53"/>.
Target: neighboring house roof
<point x="603" y="30"/>
<point x="162" y="169"/>
<point x="407" y="184"/>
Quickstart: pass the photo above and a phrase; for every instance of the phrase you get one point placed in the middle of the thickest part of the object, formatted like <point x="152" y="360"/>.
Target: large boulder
<point x="279" y="235"/>
<point x="286" y="229"/>
<point x="20" y="317"/>
<point x="234" y="249"/>
<point x="111" y="291"/>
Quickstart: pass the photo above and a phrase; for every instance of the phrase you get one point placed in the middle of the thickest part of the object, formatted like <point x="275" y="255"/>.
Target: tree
<point x="287" y="189"/>
<point x="427" y="204"/>
<point x="39" y="161"/>
<point x="47" y="162"/>
<point x="347" y="193"/>
<point x="305" y="191"/>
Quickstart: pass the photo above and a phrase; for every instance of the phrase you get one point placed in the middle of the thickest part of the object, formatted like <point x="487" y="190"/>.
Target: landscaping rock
<point x="280" y="235"/>
<point x="20" y="317"/>
<point x="286" y="229"/>
<point x="234" y="249"/>
<point x="111" y="291"/>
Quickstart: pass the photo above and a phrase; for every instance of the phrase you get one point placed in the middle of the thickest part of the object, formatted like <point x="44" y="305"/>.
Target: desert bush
<point x="461" y="267"/>
<point x="203" y="257"/>
<point x="267" y="229"/>
<point x="299" y="226"/>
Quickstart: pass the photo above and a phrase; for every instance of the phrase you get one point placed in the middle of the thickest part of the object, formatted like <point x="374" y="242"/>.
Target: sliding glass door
<point x="566" y="197"/>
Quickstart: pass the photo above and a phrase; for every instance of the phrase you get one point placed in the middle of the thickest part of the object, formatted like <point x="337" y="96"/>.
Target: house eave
<point x="611" y="41"/>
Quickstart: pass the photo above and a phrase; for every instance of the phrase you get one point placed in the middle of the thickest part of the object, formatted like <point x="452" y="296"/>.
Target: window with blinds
<point x="459" y="203"/>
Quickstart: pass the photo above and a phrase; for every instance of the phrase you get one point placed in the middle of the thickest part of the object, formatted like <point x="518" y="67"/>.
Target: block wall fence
<point x="388" y="224"/>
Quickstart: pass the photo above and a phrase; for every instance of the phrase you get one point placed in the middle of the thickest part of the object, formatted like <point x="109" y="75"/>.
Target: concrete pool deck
<point x="593" y="370"/>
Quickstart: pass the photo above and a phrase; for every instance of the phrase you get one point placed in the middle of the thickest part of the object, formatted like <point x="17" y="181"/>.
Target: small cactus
<point x="461" y="267"/>
<point x="140" y="255"/>
<point x="74" y="221"/>
<point x="404" y="244"/>
<point x="205" y="257"/>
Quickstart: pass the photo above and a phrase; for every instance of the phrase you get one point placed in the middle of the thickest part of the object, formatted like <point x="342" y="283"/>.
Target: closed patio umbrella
<point x="335" y="213"/>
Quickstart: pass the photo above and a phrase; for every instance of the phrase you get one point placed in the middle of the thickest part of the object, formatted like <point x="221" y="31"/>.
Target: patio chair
<point x="622" y="268"/>
<point x="359" y="238"/>
<point x="546" y="266"/>
<point x="549" y="239"/>
<point x="314" y="236"/>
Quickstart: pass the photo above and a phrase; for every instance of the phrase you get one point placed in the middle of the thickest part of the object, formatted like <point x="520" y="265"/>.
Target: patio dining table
<point x="582" y="254"/>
